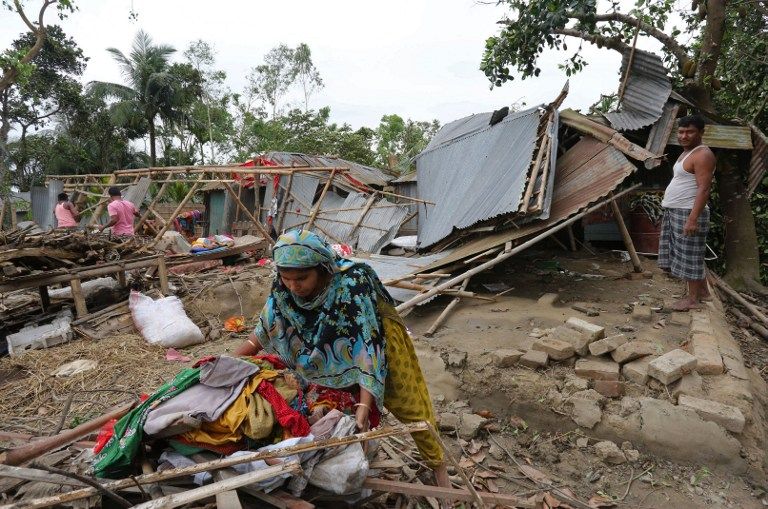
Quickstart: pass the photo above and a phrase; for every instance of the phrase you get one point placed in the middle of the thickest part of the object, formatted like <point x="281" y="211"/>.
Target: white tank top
<point x="681" y="191"/>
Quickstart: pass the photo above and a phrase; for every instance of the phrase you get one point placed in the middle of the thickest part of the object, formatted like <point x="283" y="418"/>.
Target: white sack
<point x="163" y="321"/>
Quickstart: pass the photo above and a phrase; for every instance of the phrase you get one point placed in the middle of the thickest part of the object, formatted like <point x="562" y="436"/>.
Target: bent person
<point x="685" y="223"/>
<point x="334" y="323"/>
<point x="121" y="214"/>
<point x="65" y="212"/>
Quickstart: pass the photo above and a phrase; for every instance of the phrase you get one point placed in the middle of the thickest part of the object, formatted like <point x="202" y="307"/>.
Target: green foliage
<point x="271" y="80"/>
<point x="398" y="141"/>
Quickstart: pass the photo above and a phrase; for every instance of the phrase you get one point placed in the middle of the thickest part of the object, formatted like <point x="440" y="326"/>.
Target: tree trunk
<point x="742" y="253"/>
<point x="152" y="152"/>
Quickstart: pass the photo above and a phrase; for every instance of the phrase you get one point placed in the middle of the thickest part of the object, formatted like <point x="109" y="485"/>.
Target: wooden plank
<point x="162" y="273"/>
<point x="34" y="252"/>
<point x="627" y="238"/>
<point x="362" y="216"/>
<point x="284" y="206"/>
<point x="422" y="490"/>
<point x="36" y="475"/>
<point x="79" y="297"/>
<point x="45" y="299"/>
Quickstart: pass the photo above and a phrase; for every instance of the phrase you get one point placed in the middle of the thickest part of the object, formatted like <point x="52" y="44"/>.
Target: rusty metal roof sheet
<point x="367" y="175"/>
<point x="759" y="161"/>
<point x="647" y="90"/>
<point x="473" y="175"/>
<point x="734" y="137"/>
<point x="587" y="172"/>
<point x="661" y="130"/>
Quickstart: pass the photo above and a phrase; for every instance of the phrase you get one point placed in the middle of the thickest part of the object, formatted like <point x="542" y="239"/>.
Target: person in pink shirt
<point x="66" y="213"/>
<point x="121" y="214"/>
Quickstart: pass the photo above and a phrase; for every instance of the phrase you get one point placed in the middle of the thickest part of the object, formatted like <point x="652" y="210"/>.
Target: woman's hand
<point x="361" y="417"/>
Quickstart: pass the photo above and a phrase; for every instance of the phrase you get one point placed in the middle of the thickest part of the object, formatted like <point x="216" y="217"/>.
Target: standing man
<point x="66" y="213"/>
<point x="685" y="222"/>
<point x="121" y="214"/>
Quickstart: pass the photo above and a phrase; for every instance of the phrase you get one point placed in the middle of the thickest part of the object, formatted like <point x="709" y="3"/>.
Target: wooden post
<point x="503" y="256"/>
<point x="100" y="207"/>
<point x="362" y="215"/>
<point x="162" y="273"/>
<point x="247" y="212"/>
<point x="154" y="201"/>
<point x="447" y="310"/>
<point x="13" y="215"/>
<point x="175" y="213"/>
<point x="284" y="205"/>
<point x="45" y="299"/>
<point x="121" y="279"/>
<point x="240" y="198"/>
<point x="572" y="238"/>
<point x="625" y="235"/>
<point x="77" y="294"/>
<point x="317" y="206"/>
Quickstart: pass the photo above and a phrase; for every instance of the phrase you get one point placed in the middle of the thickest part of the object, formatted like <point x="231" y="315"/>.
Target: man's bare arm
<point x="704" y="170"/>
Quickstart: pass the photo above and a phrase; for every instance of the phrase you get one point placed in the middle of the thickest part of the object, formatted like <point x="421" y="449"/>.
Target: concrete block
<point x="549" y="299"/>
<point x="609" y="388"/>
<point x="534" y="359"/>
<point x="504" y="358"/>
<point x="633" y="350"/>
<point x="597" y="369"/>
<point x="735" y="367"/>
<point x="642" y="313"/>
<point x="637" y="370"/>
<point x="595" y="332"/>
<point x="448" y="421"/>
<point x="607" y="345"/>
<point x="708" y="358"/>
<point x="584" y="407"/>
<point x="690" y="385"/>
<point x="578" y="340"/>
<point x="726" y="416"/>
<point x="671" y="366"/>
<point x="556" y="349"/>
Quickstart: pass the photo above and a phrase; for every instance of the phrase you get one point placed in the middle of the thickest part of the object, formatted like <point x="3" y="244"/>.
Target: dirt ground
<point x="33" y="400"/>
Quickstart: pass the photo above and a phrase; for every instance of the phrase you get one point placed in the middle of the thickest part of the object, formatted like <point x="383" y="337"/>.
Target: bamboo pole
<point x="317" y="206"/>
<point x="636" y="263"/>
<point x="535" y="168"/>
<point x="545" y="174"/>
<point x="250" y="216"/>
<point x="157" y="197"/>
<point x="175" y="213"/>
<point x="739" y="298"/>
<point x="174" y="473"/>
<point x="440" y="319"/>
<point x="26" y="452"/>
<point x="185" y="497"/>
<point x="284" y="206"/>
<point x="421" y="288"/>
<point x="503" y="256"/>
<point x="362" y="215"/>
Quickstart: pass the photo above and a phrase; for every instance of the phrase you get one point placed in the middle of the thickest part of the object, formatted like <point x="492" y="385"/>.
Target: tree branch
<point x="614" y="43"/>
<point x="24" y="18"/>
<point x="10" y="75"/>
<point x="669" y="42"/>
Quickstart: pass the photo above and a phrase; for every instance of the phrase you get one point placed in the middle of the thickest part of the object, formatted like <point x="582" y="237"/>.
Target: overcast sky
<point x="416" y="58"/>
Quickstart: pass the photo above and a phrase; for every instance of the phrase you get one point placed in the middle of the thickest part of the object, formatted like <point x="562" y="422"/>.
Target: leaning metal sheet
<point x="137" y="192"/>
<point x="392" y="267"/>
<point x="299" y="207"/>
<point x="587" y="172"/>
<point x="476" y="177"/>
<point x="381" y="215"/>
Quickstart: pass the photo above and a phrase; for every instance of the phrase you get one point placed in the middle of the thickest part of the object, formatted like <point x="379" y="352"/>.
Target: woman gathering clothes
<point x="333" y="322"/>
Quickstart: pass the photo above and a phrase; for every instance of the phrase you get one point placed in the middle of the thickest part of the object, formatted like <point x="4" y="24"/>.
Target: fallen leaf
<point x="485" y="474"/>
<point x="485" y="413"/>
<point x="466" y="463"/>
<point x="478" y="457"/>
<point x="474" y="446"/>
<point x="599" y="502"/>
<point x="518" y="422"/>
<point x="535" y="474"/>
<point x="492" y="486"/>
<point x="550" y="500"/>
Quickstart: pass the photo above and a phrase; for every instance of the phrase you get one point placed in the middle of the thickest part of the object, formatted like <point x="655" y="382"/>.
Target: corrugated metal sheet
<point x="392" y="267"/>
<point x="476" y="176"/>
<point x="368" y="175"/>
<point x="303" y="191"/>
<point x="661" y="130"/>
<point x="43" y="201"/>
<point x="586" y="173"/>
<point x="759" y="161"/>
<point x="405" y="179"/>
<point x="373" y="240"/>
<point x="645" y="94"/>
<point x="721" y="136"/>
<point x="340" y="231"/>
<point x="459" y="128"/>
<point x="331" y="201"/>
<point x="410" y="189"/>
<point x="138" y="191"/>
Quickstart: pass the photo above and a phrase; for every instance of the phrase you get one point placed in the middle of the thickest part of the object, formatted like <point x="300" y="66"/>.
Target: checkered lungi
<point x="683" y="255"/>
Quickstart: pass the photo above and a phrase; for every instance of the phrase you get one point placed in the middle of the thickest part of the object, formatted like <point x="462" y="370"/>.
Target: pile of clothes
<point x="228" y="405"/>
<point x="212" y="244"/>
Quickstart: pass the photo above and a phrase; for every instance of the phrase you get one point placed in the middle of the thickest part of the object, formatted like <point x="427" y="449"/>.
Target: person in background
<point x="684" y="225"/>
<point x="66" y="213"/>
<point x="332" y="321"/>
<point x="121" y="214"/>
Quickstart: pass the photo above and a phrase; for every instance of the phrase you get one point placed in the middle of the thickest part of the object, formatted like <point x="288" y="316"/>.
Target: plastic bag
<point x="343" y="473"/>
<point x="163" y="321"/>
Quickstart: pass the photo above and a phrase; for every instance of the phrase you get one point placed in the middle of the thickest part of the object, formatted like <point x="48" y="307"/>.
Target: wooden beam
<point x="316" y="208"/>
<point x="157" y="197"/>
<point x="162" y="273"/>
<point x="627" y="238"/>
<point x="175" y="213"/>
<point x="36" y="475"/>
<point x="250" y="216"/>
<point x="440" y="319"/>
<point x="422" y="490"/>
<point x="362" y="215"/>
<point x="77" y="294"/>
<point x="284" y="206"/>
<point x="100" y="206"/>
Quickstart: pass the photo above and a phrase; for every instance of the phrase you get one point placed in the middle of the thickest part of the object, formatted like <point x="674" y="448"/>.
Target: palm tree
<point x="149" y="87"/>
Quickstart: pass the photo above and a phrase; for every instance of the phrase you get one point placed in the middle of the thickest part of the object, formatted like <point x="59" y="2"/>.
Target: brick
<point x="549" y="299"/>
<point x="534" y="359"/>
<point x="556" y="349"/>
<point x="609" y="388"/>
<point x="726" y="416"/>
<point x="578" y="340"/>
<point x="735" y="367"/>
<point x="690" y="385"/>
<point x="607" y="345"/>
<point x="594" y="368"/>
<point x="595" y="332"/>
<point x="708" y="358"/>
<point x="633" y="350"/>
<point x="642" y="313"/>
<point x="504" y="358"/>
<point x="700" y="322"/>
<point x="637" y="370"/>
<point x="671" y="366"/>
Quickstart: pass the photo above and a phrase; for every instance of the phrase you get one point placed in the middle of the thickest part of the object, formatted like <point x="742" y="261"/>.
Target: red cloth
<point x="277" y="362"/>
<point x="291" y="420"/>
<point x="341" y="400"/>
<point x="204" y="360"/>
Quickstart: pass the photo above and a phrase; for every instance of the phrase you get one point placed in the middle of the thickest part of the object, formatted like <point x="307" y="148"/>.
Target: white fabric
<point x="682" y="189"/>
